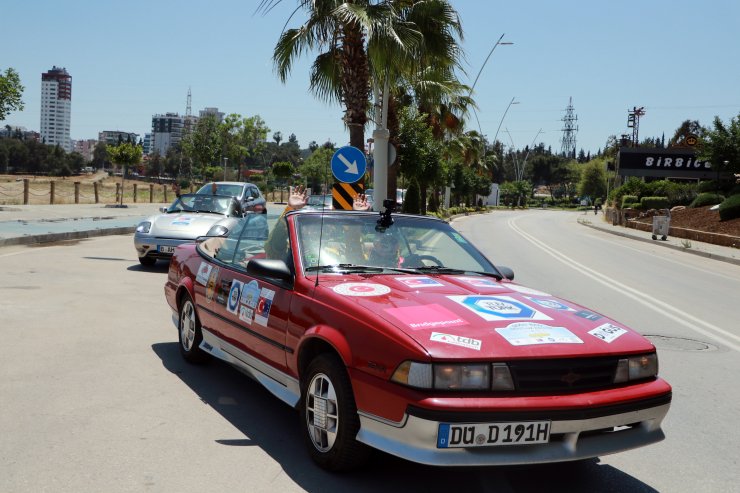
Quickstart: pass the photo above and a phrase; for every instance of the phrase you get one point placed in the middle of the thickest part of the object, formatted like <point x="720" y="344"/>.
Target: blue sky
<point x="130" y="60"/>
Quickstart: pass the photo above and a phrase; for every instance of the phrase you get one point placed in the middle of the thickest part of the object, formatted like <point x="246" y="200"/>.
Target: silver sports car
<point x="189" y="216"/>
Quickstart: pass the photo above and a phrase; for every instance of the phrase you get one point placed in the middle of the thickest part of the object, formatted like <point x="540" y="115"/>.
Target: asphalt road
<point x="95" y="397"/>
<point x="687" y="305"/>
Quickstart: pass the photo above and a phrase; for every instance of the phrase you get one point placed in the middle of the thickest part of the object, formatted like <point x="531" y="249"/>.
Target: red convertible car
<point x="394" y="332"/>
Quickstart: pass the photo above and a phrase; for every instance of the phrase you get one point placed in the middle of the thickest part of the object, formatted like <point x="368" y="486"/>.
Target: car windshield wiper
<point x="438" y="269"/>
<point x="344" y="268"/>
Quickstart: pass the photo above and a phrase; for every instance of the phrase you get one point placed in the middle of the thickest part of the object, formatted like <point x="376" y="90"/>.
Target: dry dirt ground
<point x="702" y="219"/>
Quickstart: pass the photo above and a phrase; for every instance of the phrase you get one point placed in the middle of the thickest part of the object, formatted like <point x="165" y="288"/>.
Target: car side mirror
<point x="163" y="209"/>
<point x="275" y="269"/>
<point x="506" y="272"/>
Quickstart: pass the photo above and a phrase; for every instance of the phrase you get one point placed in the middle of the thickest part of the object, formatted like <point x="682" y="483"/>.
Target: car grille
<point x="573" y="374"/>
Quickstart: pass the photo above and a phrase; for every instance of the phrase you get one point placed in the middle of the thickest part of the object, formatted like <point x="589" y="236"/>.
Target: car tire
<point x="147" y="261"/>
<point x="329" y="420"/>
<point x="189" y="331"/>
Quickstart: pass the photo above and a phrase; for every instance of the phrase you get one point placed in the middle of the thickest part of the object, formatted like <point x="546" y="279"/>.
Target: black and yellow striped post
<point x="343" y="194"/>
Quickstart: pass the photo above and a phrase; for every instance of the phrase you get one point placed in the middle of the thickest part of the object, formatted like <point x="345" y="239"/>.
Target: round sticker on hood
<point x="361" y="289"/>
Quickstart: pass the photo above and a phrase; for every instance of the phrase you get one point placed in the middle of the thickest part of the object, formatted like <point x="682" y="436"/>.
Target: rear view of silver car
<point x="187" y="218"/>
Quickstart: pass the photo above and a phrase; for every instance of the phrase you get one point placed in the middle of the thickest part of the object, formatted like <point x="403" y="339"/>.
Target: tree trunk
<point x="355" y="83"/>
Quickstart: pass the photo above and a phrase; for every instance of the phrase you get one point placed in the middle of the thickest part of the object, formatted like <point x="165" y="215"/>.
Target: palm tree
<point x="360" y="42"/>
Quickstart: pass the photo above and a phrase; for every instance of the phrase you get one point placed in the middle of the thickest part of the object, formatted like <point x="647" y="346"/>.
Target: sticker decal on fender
<point x="607" y="332"/>
<point x="456" y="340"/>
<point x="211" y="285"/>
<point x="527" y="334"/>
<point x="203" y="272"/>
<point x="361" y="289"/>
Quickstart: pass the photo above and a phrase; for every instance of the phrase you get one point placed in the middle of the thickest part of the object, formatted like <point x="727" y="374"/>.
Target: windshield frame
<point x="459" y="253"/>
<point x="193" y="209"/>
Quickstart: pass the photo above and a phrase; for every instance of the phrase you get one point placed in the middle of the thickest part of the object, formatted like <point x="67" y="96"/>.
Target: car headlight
<point x="454" y="376"/>
<point x="636" y="368"/>
<point x="143" y="227"/>
<point x="218" y="230"/>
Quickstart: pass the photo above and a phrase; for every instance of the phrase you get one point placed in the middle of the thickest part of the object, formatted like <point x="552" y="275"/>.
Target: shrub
<point x="707" y="186"/>
<point x="629" y="201"/>
<point x="654" y="203"/>
<point x="730" y="208"/>
<point x="707" y="198"/>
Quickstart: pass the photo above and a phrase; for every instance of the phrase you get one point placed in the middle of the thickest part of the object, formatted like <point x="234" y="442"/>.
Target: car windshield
<point x="190" y="202"/>
<point x="348" y="241"/>
<point x="230" y="189"/>
<point x="319" y="201"/>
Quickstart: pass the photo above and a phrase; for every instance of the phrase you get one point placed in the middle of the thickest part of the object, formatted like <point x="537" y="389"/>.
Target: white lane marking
<point x="645" y="299"/>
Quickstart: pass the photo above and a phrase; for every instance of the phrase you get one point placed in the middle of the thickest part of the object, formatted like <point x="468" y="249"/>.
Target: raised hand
<point x="360" y="203"/>
<point x="298" y="197"/>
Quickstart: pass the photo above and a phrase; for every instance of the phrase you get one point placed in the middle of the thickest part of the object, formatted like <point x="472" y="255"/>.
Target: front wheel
<point x="329" y="419"/>
<point x="190" y="332"/>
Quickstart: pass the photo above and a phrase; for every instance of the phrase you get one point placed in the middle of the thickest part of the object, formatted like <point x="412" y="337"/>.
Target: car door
<point x="253" y="311"/>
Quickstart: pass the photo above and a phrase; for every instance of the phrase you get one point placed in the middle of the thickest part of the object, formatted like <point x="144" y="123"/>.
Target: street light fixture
<point x="499" y="42"/>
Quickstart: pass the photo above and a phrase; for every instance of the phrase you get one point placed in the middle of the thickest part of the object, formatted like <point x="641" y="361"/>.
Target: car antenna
<point x="321" y="234"/>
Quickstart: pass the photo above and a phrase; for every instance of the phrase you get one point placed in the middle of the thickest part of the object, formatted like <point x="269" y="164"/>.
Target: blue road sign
<point x="348" y="164"/>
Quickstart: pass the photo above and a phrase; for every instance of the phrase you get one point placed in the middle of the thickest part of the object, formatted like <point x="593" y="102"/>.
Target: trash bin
<point x="661" y="225"/>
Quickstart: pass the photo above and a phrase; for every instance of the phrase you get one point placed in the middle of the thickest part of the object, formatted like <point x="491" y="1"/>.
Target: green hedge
<point x="707" y="199"/>
<point x="629" y="201"/>
<point x="729" y="208"/>
<point x="654" y="203"/>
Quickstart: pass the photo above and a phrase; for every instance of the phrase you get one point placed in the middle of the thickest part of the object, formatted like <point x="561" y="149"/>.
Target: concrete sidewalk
<point x="708" y="250"/>
<point x="26" y="224"/>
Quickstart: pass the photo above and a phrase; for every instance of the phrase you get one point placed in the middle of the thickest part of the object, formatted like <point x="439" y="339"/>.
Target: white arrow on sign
<point x="351" y="167"/>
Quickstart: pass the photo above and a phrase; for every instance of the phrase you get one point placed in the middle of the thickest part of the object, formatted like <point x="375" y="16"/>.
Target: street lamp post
<point x="226" y="161"/>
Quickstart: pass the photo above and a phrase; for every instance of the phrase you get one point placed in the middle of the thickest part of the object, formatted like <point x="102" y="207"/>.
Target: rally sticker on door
<point x="235" y="294"/>
<point x="262" y="312"/>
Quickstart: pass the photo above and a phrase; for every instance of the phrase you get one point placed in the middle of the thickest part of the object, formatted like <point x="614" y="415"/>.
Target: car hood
<point x="476" y="317"/>
<point x="183" y="225"/>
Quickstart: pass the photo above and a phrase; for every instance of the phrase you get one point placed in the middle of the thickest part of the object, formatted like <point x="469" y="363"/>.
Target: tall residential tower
<point x="56" y="107"/>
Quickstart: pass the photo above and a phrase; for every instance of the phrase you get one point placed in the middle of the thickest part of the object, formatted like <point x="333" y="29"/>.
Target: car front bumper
<point x="155" y="247"/>
<point x="593" y="432"/>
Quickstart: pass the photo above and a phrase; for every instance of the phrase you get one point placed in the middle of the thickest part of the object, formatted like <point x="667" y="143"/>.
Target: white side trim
<point x="283" y="386"/>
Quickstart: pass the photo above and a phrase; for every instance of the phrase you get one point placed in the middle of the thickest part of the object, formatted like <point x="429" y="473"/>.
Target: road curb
<point x="712" y="256"/>
<point x="69" y="235"/>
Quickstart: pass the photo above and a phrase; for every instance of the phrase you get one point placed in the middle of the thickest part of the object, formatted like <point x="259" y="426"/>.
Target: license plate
<point x="461" y="435"/>
<point x="166" y="249"/>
